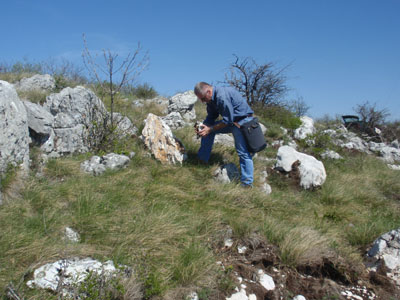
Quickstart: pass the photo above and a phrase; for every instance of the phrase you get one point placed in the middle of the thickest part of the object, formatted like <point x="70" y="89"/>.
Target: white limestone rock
<point x="98" y="165"/>
<point x="174" y="120"/>
<point x="227" y="173"/>
<point x="71" y="235"/>
<point x="224" y="139"/>
<point x="37" y="82"/>
<point x="14" y="134"/>
<point x="312" y="171"/>
<point x="330" y="154"/>
<point x="184" y="104"/>
<point x="386" y="251"/>
<point x="78" y="113"/>
<point x="124" y="126"/>
<point x="158" y="138"/>
<point x="306" y="128"/>
<point x="265" y="280"/>
<point x="75" y="271"/>
<point x="394" y="167"/>
<point x="299" y="297"/>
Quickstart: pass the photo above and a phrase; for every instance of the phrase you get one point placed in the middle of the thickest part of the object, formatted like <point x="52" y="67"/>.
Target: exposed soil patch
<point x="329" y="279"/>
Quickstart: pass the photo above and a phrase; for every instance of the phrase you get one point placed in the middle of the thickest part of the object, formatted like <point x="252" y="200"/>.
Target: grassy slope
<point x="166" y="220"/>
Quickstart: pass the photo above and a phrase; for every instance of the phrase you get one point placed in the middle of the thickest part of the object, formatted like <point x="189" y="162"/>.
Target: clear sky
<point x="342" y="52"/>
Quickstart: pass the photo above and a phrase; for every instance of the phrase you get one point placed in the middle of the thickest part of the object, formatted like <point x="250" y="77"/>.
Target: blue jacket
<point x="228" y="103"/>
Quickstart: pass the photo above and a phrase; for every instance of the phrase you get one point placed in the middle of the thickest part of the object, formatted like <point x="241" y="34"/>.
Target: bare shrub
<point x="263" y="84"/>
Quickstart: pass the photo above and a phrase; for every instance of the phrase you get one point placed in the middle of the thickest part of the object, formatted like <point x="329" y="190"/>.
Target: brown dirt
<point x="332" y="278"/>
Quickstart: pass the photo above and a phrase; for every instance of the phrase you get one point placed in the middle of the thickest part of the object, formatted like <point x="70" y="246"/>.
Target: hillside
<point x="179" y="230"/>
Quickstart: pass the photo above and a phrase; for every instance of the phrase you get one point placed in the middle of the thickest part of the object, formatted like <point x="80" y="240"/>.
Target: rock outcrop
<point x="37" y="82"/>
<point x="184" y="104"/>
<point x="311" y="171"/>
<point x="385" y="255"/>
<point x="14" y="135"/>
<point x="98" y="165"/>
<point x="306" y="128"/>
<point x="74" y="271"/>
<point x="174" y="120"/>
<point x="158" y="138"/>
<point x="78" y="117"/>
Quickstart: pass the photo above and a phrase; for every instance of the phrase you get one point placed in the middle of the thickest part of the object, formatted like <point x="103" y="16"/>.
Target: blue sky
<point x="341" y="53"/>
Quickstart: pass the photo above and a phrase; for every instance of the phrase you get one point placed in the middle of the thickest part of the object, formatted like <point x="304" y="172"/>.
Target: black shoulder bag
<point x="253" y="135"/>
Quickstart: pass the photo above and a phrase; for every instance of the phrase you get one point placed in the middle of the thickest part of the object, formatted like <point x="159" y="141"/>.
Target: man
<point x="235" y="111"/>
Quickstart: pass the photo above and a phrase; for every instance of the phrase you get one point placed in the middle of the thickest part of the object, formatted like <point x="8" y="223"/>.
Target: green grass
<point x="165" y="221"/>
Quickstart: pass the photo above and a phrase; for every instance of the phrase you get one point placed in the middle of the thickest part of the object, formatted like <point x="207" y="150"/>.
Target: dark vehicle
<point x="353" y="123"/>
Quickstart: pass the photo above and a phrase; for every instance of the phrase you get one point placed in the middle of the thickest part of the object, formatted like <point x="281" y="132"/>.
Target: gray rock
<point x="124" y="125"/>
<point x="158" y="138"/>
<point x="394" y="167"/>
<point x="98" y="165"/>
<point x="78" y="118"/>
<point x="224" y="139"/>
<point x="37" y="82"/>
<point x="174" y="120"/>
<point x="330" y="154"/>
<point x="385" y="251"/>
<point x="227" y="173"/>
<point x="395" y="144"/>
<point x="355" y="143"/>
<point x="14" y="134"/>
<point x="306" y="128"/>
<point x="311" y="171"/>
<point x="184" y="104"/>
<point x="263" y="128"/>
<point x="40" y="123"/>
<point x="71" y="235"/>
<point x="75" y="271"/>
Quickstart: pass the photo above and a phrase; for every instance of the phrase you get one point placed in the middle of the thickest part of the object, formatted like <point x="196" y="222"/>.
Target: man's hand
<point x="205" y="131"/>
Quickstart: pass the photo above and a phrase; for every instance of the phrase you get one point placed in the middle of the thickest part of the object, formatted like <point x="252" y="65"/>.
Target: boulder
<point x="306" y="128"/>
<point x="37" y="82"/>
<point x="14" y="134"/>
<point x="78" y="119"/>
<point x="395" y="144"/>
<point x="227" y="173"/>
<point x="158" y="138"/>
<point x="174" y="120"/>
<point x="124" y="125"/>
<point x="98" y="165"/>
<point x="330" y="154"/>
<point x="224" y="139"/>
<point x="184" y="104"/>
<point x="311" y="171"/>
<point x="40" y="123"/>
<point x="75" y="271"/>
<point x="385" y="255"/>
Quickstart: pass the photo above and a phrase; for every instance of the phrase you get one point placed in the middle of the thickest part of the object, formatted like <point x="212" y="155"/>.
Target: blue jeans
<point x="245" y="157"/>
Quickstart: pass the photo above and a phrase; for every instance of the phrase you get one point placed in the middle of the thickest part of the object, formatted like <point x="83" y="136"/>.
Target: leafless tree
<point x="263" y="84"/>
<point x="371" y="114"/>
<point x="111" y="72"/>
<point x="298" y="106"/>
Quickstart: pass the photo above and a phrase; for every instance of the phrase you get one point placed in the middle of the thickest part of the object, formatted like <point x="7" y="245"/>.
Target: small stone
<point x="72" y="235"/>
<point x="299" y="297"/>
<point x="192" y="296"/>
<point x="265" y="280"/>
<point x="242" y="249"/>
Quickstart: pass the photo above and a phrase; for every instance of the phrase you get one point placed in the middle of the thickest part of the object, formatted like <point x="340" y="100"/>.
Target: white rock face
<point x="14" y="134"/>
<point x="330" y="155"/>
<point x="386" y="251"/>
<point x="355" y="143"/>
<point x="37" y="82"/>
<point x="174" y="120"/>
<point x="75" y="271"/>
<point x="312" y="171"/>
<point x="75" y="112"/>
<point x="158" y="138"/>
<point x="227" y="173"/>
<point x="265" y="280"/>
<point x="98" y="165"/>
<point x="394" y="167"/>
<point x="306" y="128"/>
<point x="71" y="235"/>
<point x="184" y="104"/>
<point x="224" y="139"/>
<point x="386" y="153"/>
